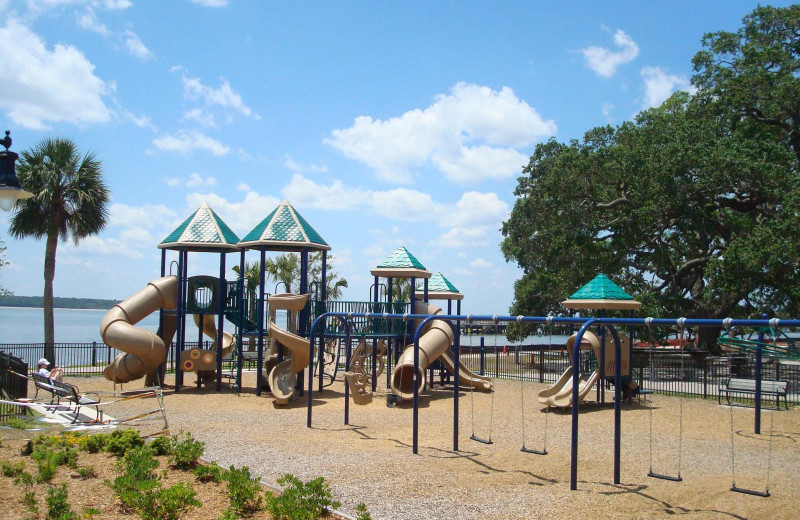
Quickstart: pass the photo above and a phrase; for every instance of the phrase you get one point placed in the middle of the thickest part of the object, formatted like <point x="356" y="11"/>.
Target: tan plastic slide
<point x="143" y="350"/>
<point x="434" y="341"/>
<point x="283" y="377"/>
<point x="560" y="394"/>
<point x="197" y="359"/>
<point x="465" y="375"/>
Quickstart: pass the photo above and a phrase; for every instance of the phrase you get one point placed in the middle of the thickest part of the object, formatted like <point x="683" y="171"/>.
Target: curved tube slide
<point x="283" y="378"/>
<point x="143" y="350"/>
<point x="435" y="340"/>
<point x="560" y="394"/>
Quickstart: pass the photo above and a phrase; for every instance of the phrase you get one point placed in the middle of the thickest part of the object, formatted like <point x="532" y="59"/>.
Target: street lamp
<point x="10" y="190"/>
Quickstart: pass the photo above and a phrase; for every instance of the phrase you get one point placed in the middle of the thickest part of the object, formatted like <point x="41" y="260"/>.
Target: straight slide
<point x="466" y="376"/>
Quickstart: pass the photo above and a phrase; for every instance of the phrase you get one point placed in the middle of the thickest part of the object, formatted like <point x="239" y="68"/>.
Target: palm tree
<point x="285" y="268"/>
<point x="70" y="201"/>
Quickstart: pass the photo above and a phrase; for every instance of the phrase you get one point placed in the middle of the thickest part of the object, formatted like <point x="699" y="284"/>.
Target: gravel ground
<point x="371" y="461"/>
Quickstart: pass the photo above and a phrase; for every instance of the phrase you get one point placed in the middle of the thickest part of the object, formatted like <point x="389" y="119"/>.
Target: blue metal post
<point x="482" y="357"/>
<point x="260" y="325"/>
<point x="223" y="289"/>
<point x="324" y="309"/>
<point x="759" y="354"/>
<point x="347" y="354"/>
<point x="576" y="349"/>
<point x="456" y="372"/>
<point x="242" y="318"/>
<point x="181" y="319"/>
<point x="415" y="425"/>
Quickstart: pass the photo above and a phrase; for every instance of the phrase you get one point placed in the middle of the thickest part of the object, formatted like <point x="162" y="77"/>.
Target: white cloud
<point x="223" y="96"/>
<point x="149" y="215"/>
<point x="480" y="263"/>
<point x="604" y="61"/>
<point x="460" y="238"/>
<point x="294" y="166"/>
<point x="135" y="46"/>
<point x="185" y="142"/>
<point x="461" y="134"/>
<point x="201" y="116"/>
<point x="137" y="235"/>
<point x="41" y="86"/>
<point x="193" y="181"/>
<point x="307" y="193"/>
<point x="140" y="121"/>
<point x="115" y="4"/>
<point x="102" y="246"/>
<point x="405" y="204"/>
<point x="477" y="209"/>
<point x="240" y="216"/>
<point x="659" y="85"/>
<point x="606" y="109"/>
<point x="243" y="187"/>
<point x="88" y="21"/>
<point x="211" y="3"/>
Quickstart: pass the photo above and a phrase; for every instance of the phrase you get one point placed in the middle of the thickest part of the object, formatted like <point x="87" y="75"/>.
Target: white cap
<point x="43" y="361"/>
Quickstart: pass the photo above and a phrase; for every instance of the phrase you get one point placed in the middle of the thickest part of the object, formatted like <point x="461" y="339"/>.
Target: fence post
<point x="541" y="365"/>
<point x="94" y="353"/>
<point x="496" y="360"/>
<point x="109" y="354"/>
<point x="483" y="356"/>
<point x="705" y="378"/>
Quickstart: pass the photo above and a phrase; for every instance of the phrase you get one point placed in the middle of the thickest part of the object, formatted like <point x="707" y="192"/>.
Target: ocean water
<point x="26" y="325"/>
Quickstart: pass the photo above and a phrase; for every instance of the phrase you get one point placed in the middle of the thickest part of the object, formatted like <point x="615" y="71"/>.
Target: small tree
<point x="69" y="200"/>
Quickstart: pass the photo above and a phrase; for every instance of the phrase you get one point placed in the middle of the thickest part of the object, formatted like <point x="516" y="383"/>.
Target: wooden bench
<point x="739" y="386"/>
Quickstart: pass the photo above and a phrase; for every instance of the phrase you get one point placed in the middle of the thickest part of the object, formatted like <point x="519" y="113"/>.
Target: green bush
<point x="362" y="513"/>
<point x="169" y="503"/>
<point x="161" y="445"/>
<point x="17" y="423"/>
<point x="121" y="441"/>
<point x="57" y="506"/>
<point x="185" y="450"/>
<point x="11" y="469"/>
<point x="94" y="443"/>
<point x="87" y="472"/>
<point x="229" y="514"/>
<point x="209" y="473"/>
<point x="244" y="491"/>
<point x="29" y="499"/>
<point x="301" y="501"/>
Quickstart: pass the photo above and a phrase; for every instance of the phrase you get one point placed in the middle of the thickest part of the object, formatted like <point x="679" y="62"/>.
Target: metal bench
<point x="74" y="396"/>
<point x="739" y="386"/>
<point x="45" y="383"/>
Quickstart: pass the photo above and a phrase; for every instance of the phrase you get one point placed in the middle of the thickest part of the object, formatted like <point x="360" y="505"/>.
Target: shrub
<point x="229" y="514"/>
<point x="29" y="499"/>
<point x="87" y="472"/>
<point x="244" y="491"/>
<point x="90" y="512"/>
<point x="209" y="473"/>
<point x="161" y="445"/>
<point x="185" y="450"/>
<point x="11" y="469"/>
<point x="94" y="443"/>
<point x="301" y="501"/>
<point x="362" y="513"/>
<point x="17" y="423"/>
<point x="121" y="441"/>
<point x="57" y="506"/>
<point x="169" y="503"/>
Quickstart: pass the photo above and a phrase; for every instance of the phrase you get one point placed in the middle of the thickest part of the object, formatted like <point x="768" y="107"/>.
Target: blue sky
<point x="383" y="123"/>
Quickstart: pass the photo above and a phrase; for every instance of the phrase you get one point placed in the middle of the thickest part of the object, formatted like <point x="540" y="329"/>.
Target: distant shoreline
<point x="37" y="302"/>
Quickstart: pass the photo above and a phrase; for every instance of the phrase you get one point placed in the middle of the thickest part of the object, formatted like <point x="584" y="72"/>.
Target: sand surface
<point x="371" y="460"/>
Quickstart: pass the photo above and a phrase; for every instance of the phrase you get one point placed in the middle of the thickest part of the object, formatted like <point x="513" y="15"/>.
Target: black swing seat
<point x="764" y="494"/>
<point x="535" y="452"/>
<point x="664" y="477"/>
<point x="480" y="439"/>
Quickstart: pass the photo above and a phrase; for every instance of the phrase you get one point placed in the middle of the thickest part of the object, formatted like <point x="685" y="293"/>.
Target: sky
<point x="385" y="124"/>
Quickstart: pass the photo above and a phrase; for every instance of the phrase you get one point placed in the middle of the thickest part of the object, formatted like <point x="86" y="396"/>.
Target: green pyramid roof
<point x="401" y="258"/>
<point x="284" y="230"/>
<point x="440" y="288"/>
<point x="202" y="231"/>
<point x="601" y="293"/>
<point x="401" y="264"/>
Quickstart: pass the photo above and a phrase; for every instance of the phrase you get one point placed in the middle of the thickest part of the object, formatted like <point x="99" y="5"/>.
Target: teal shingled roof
<point x="203" y="230"/>
<point x="401" y="259"/>
<point x="284" y="230"/>
<point x="438" y="283"/>
<point x="601" y="288"/>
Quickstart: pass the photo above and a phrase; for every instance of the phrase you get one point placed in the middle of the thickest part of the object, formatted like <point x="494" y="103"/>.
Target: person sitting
<point x="44" y="369"/>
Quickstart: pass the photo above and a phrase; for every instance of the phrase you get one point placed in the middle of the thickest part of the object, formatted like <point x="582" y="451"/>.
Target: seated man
<point x="44" y="369"/>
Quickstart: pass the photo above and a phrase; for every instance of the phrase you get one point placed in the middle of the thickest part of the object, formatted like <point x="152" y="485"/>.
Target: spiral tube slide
<point x="433" y="342"/>
<point x="283" y="378"/>
<point x="143" y="350"/>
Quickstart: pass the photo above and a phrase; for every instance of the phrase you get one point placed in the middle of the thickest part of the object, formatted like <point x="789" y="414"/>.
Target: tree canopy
<point x="689" y="217"/>
<point x="693" y="207"/>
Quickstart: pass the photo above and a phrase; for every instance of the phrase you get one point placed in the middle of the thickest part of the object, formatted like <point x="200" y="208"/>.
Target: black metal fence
<point x="671" y="372"/>
<point x="13" y="384"/>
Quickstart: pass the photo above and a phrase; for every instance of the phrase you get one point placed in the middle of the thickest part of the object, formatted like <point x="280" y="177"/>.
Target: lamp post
<point x="10" y="189"/>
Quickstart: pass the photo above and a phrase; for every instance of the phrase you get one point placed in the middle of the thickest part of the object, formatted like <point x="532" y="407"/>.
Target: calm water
<point x="26" y="325"/>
